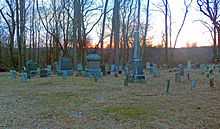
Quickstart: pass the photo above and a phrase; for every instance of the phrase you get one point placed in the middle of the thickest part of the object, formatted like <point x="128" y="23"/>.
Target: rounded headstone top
<point x="93" y="57"/>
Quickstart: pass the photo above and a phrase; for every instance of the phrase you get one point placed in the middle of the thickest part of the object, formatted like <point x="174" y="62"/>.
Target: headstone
<point x="65" y="74"/>
<point x="49" y="69"/>
<point x="77" y="114"/>
<point x="155" y="70"/>
<point x="177" y="77"/>
<point x="79" y="67"/>
<point x="43" y="72"/>
<point x="120" y="69"/>
<point x="210" y="75"/>
<point x="65" y="64"/>
<point x="194" y="83"/>
<point x="168" y="82"/>
<point x="31" y="68"/>
<point x="13" y="74"/>
<point x="100" y="99"/>
<point x="113" y="69"/>
<point x="24" y="76"/>
<point x="181" y="70"/>
<point x="93" y="65"/>
<point x="189" y="67"/>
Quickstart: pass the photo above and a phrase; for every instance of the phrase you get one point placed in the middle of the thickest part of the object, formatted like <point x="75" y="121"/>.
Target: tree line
<point x="64" y="28"/>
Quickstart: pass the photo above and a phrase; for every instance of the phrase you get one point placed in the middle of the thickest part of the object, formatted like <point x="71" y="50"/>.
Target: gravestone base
<point x="44" y="73"/>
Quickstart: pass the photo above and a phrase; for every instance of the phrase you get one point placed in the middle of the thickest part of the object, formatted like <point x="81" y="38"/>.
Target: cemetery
<point x="80" y="102"/>
<point x="151" y="97"/>
<point x="120" y="64"/>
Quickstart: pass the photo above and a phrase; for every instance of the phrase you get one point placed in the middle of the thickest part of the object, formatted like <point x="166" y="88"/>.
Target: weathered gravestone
<point x="193" y="85"/>
<point x="210" y="75"/>
<point x="13" y="74"/>
<point x="177" y="77"/>
<point x="156" y="71"/>
<point x="80" y="71"/>
<point x="93" y="65"/>
<point x="43" y="72"/>
<point x="114" y="69"/>
<point x="24" y="76"/>
<point x="49" y="69"/>
<point x="179" y="73"/>
<point x="189" y="67"/>
<point x="65" y="66"/>
<point x="168" y="83"/>
<point x="31" y="68"/>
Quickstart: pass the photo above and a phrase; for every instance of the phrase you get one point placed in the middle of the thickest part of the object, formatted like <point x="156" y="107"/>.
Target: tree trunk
<point x="33" y="30"/>
<point x="103" y="31"/>
<point x="18" y="36"/>
<point x="11" y="47"/>
<point x="218" y="50"/>
<point x="145" y="32"/>
<point x="0" y="51"/>
<point x="214" y="43"/>
<point x="38" y="48"/>
<point x="166" y="32"/>
<point x="116" y="32"/>
<point x="47" y="54"/>
<point x="22" y="31"/>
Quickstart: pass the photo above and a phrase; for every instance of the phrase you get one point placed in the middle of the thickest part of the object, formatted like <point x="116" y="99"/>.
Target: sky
<point x="193" y="31"/>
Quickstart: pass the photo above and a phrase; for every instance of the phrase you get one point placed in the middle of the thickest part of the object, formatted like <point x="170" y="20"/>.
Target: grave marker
<point x="31" y="68"/>
<point x="65" y="64"/>
<point x="189" y="67"/>
<point x="93" y="65"/>
<point x="24" y="76"/>
<point x="168" y="86"/>
<point x="137" y="72"/>
<point x="65" y="74"/>
<point x="177" y="77"/>
<point x="193" y="84"/>
<point x="210" y="75"/>
<point x="13" y="74"/>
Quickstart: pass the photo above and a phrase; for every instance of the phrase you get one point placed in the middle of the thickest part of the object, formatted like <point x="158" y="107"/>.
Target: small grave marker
<point x="13" y="74"/>
<point x="65" y="74"/>
<point x="193" y="85"/>
<point x="100" y="99"/>
<point x="77" y="114"/>
<point x="210" y="75"/>
<point x="168" y="82"/>
<point x="24" y="76"/>
<point x="177" y="77"/>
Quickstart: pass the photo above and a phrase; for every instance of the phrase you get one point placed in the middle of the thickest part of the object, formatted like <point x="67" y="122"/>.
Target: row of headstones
<point x="207" y="70"/>
<point x="168" y="85"/>
<point x="25" y="75"/>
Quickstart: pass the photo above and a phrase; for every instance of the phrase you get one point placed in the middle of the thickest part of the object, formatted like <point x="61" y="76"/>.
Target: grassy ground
<point x="81" y="103"/>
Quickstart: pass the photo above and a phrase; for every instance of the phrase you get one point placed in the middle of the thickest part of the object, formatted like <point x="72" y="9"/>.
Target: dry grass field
<point x="82" y="103"/>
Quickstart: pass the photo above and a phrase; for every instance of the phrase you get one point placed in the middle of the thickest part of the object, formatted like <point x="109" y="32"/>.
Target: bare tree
<point x="103" y="30"/>
<point x="166" y="4"/>
<point x="146" y="29"/>
<point x="210" y="8"/>
<point x="9" y="18"/>
<point x="187" y="4"/>
<point x="116" y="30"/>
